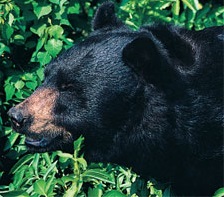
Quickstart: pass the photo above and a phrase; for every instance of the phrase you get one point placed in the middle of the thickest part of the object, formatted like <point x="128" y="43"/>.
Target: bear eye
<point x="67" y="87"/>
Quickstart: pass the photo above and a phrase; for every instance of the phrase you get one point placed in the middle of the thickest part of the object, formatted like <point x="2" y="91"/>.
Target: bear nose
<point x="17" y="117"/>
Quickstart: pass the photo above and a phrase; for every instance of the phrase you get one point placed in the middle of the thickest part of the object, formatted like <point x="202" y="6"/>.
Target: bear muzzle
<point x="34" y="117"/>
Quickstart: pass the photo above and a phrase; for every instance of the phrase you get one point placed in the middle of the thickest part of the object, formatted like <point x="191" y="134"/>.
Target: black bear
<point x="149" y="99"/>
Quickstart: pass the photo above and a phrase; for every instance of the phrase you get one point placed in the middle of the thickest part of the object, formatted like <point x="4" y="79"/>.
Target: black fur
<point x="150" y="99"/>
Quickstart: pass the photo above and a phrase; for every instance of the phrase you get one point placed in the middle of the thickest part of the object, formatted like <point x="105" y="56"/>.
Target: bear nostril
<point x="17" y="117"/>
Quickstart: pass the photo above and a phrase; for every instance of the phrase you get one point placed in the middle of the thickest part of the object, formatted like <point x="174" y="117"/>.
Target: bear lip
<point x="37" y="142"/>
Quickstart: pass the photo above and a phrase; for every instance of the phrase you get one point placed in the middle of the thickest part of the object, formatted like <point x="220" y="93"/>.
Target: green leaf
<point x="66" y="179"/>
<point x="7" y="31"/>
<point x="219" y="192"/>
<point x="219" y="11"/>
<point x="19" y="39"/>
<point x="44" y="58"/>
<point x="66" y="155"/>
<point x="47" y="158"/>
<point x="82" y="162"/>
<point x="168" y="192"/>
<point x="62" y="2"/>
<point x="203" y="12"/>
<point x="40" y="44"/>
<point x="42" y="10"/>
<point x="139" y="186"/>
<point x="39" y="187"/>
<point x="114" y="193"/>
<point x="7" y="130"/>
<point x="190" y="16"/>
<point x="9" y="91"/>
<point x="176" y="8"/>
<point x="74" y="9"/>
<point x="53" y="47"/>
<point x="24" y="160"/>
<point x="28" y="77"/>
<point x="19" y="94"/>
<point x="16" y="193"/>
<point x="39" y="29"/>
<point x="55" y="31"/>
<point x="153" y="190"/>
<point x="31" y="85"/>
<point x="78" y="143"/>
<point x="19" y="85"/>
<point x="19" y="176"/>
<point x="50" y="185"/>
<point x="189" y="5"/>
<point x="98" y="174"/>
<point x="50" y="169"/>
<point x="96" y="192"/>
<point x="11" y="141"/>
<point x="40" y="73"/>
<point x="11" y="19"/>
<point x="35" y="163"/>
<point x="4" y="48"/>
<point x="55" y="1"/>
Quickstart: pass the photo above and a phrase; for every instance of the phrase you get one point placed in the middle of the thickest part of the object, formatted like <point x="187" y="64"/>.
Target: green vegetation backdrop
<point x="32" y="33"/>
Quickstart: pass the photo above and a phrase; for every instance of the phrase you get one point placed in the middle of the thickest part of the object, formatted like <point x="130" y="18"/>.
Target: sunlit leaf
<point x="44" y="57"/>
<point x="50" y="169"/>
<point x="7" y="31"/>
<point x="42" y="10"/>
<point x="31" y="85"/>
<point x="39" y="187"/>
<point x="74" y="9"/>
<point x="53" y="47"/>
<point x="24" y="160"/>
<point x="55" y="31"/>
<point x="96" y="192"/>
<point x="99" y="175"/>
<point x="219" y="192"/>
<point x="11" y="140"/>
<point x="19" y="84"/>
<point x="9" y="91"/>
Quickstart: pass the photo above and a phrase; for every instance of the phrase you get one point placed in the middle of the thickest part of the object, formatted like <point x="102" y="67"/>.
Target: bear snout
<point x="34" y="114"/>
<point x="34" y="117"/>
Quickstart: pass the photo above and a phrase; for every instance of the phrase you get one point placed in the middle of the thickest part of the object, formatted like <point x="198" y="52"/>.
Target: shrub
<point x="32" y="34"/>
<point x="68" y="175"/>
<point x="187" y="13"/>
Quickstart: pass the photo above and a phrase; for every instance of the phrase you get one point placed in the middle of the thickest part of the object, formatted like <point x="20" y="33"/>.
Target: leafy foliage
<point x="188" y="13"/>
<point x="66" y="175"/>
<point x="34" y="32"/>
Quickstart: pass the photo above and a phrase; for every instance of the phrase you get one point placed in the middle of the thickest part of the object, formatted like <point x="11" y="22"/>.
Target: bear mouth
<point x="39" y="143"/>
<point x="42" y="142"/>
<point x="48" y="141"/>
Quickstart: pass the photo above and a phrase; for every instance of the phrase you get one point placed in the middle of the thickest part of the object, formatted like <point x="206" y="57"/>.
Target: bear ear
<point x="105" y="17"/>
<point x="143" y="56"/>
<point x="147" y="57"/>
<point x="182" y="50"/>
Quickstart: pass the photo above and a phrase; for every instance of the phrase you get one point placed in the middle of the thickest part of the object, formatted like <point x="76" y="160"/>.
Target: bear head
<point x="112" y="88"/>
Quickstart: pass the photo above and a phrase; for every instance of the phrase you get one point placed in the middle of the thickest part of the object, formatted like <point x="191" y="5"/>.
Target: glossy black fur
<point x="150" y="99"/>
